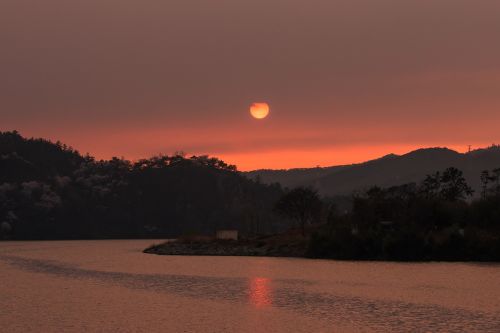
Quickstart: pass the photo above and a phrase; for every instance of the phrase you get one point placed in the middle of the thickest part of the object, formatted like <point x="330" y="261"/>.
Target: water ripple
<point x="292" y="295"/>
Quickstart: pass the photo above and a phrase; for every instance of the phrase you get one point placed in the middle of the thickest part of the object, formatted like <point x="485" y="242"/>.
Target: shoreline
<point x="270" y="246"/>
<point x="260" y="248"/>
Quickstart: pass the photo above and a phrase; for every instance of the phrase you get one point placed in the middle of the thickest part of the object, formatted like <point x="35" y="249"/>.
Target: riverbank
<point x="441" y="247"/>
<point x="283" y="245"/>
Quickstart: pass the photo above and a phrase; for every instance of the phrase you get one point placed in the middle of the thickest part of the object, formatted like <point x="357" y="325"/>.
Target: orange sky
<point x="256" y="144"/>
<point x="346" y="80"/>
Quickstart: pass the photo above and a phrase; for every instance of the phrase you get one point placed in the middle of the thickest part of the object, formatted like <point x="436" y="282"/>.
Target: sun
<point x="259" y="110"/>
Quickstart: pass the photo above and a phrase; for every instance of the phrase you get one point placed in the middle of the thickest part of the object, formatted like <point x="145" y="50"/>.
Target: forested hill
<point x="50" y="191"/>
<point x="387" y="171"/>
<point x="34" y="159"/>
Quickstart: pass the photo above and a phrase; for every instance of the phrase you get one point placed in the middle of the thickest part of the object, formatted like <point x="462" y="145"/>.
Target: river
<point x="110" y="286"/>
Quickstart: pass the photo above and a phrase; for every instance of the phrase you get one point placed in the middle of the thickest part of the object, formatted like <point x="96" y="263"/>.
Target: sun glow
<point x="259" y="110"/>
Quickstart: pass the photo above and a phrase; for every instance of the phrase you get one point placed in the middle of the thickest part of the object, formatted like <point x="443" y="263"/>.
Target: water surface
<point x="112" y="286"/>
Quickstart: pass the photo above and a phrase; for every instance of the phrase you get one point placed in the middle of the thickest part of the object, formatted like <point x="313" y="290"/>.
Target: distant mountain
<point x="386" y="171"/>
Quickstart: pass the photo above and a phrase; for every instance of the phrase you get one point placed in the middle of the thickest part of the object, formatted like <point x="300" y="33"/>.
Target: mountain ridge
<point x="388" y="170"/>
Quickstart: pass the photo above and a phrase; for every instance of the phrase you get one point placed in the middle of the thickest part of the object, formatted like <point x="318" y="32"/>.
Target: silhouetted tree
<point x="454" y="186"/>
<point x="449" y="185"/>
<point x="301" y="204"/>
<point x="428" y="222"/>
<point x="495" y="180"/>
<point x="431" y="185"/>
<point x="485" y="180"/>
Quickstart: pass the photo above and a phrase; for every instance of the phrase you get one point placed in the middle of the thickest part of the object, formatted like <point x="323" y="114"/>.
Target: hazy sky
<point x="346" y="80"/>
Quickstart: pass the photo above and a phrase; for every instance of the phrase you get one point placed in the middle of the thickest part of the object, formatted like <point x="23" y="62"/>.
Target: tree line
<point x="436" y="219"/>
<point x="50" y="191"/>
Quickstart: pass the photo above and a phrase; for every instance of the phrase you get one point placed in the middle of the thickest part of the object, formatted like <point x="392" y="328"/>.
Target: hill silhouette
<point x="50" y="191"/>
<point x="386" y="171"/>
<point x="23" y="159"/>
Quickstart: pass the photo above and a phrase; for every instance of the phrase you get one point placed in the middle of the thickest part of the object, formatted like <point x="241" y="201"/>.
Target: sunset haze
<point x="347" y="81"/>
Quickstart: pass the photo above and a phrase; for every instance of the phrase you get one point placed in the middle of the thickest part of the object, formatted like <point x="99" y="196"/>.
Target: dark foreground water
<point x="111" y="286"/>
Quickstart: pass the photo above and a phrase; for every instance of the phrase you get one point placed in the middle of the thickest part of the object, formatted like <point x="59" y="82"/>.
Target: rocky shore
<point x="271" y="246"/>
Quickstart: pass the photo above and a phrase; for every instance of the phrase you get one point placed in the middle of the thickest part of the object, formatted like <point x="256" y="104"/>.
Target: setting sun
<point x="259" y="110"/>
<point x="145" y="185"/>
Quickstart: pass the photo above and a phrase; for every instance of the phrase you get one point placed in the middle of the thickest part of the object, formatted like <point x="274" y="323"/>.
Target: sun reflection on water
<point x="260" y="292"/>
